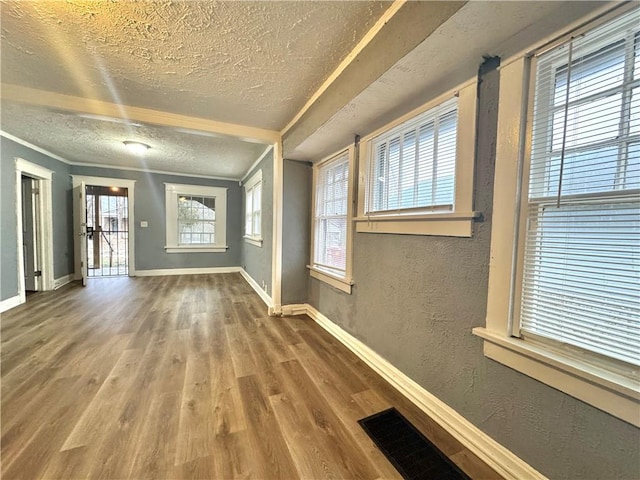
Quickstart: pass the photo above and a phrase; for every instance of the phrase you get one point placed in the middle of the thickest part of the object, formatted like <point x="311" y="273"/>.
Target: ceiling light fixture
<point x="136" y="147"/>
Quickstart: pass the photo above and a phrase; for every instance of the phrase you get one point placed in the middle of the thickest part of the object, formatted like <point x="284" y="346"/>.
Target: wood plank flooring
<point x="186" y="377"/>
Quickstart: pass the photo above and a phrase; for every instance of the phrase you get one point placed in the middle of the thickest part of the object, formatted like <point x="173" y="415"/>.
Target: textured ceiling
<point x="445" y="59"/>
<point x="251" y="63"/>
<point x="248" y="63"/>
<point x="93" y="141"/>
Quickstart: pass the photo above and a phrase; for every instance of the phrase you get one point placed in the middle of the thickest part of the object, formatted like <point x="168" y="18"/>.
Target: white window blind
<point x="413" y="165"/>
<point x="581" y="282"/>
<point x="332" y="187"/>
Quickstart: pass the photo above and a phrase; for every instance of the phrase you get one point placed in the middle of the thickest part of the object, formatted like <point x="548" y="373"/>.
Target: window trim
<point x="580" y="375"/>
<point x="172" y="192"/>
<point x="250" y="184"/>
<point x="345" y="283"/>
<point x="456" y="223"/>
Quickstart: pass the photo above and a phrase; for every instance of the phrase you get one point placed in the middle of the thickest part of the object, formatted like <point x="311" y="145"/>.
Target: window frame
<point x="249" y="187"/>
<point x="172" y="192"/>
<point x="423" y="221"/>
<point x="606" y="385"/>
<point x="345" y="283"/>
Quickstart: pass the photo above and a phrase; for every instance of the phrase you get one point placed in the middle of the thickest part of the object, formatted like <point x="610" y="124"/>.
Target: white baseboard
<point x="295" y="309"/>
<point x="186" y="271"/>
<point x="488" y="450"/>
<point x="10" y="303"/>
<point x="261" y="293"/>
<point x="62" y="281"/>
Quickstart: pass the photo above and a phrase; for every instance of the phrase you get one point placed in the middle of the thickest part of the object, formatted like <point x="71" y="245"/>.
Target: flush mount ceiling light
<point x="136" y="147"/>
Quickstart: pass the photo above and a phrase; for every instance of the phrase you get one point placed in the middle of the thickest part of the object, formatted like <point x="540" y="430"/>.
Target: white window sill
<point x="195" y="249"/>
<point x="614" y="393"/>
<point x="253" y="241"/>
<point x="444" y="224"/>
<point x="337" y="282"/>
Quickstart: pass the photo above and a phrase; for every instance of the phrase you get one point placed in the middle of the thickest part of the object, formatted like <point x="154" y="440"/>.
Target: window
<point x="581" y="282"/>
<point x="419" y="170"/>
<point x="332" y="218"/>
<point x="253" y="210"/>
<point x="196" y="218"/>
<point x="414" y="165"/>
<point x="574" y="272"/>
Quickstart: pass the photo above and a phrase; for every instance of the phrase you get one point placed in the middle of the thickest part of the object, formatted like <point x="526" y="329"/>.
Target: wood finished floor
<point x="186" y="377"/>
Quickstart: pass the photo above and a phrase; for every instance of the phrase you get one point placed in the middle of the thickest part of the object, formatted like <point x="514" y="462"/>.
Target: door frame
<point x="77" y="181"/>
<point x="44" y="224"/>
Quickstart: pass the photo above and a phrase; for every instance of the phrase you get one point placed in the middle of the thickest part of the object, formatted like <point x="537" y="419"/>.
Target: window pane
<point x="416" y="167"/>
<point x="407" y="172"/>
<point x="446" y="161"/>
<point x="581" y="280"/>
<point x="593" y="73"/>
<point x="426" y="153"/>
<point x="634" y="119"/>
<point x="257" y="197"/>
<point x="248" y="228"/>
<point x="332" y="243"/>
<point x="631" y="175"/>
<point x="257" y="217"/>
<point x="196" y="219"/>
<point x="331" y="215"/>
<point x="334" y="190"/>
<point x="588" y="123"/>
<point x="590" y="171"/>
<point x="582" y="277"/>
<point x="249" y="200"/>
<point x="379" y="180"/>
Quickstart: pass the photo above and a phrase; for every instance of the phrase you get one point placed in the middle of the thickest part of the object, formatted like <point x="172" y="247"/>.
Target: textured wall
<point x="257" y="261"/>
<point x="295" y="247"/>
<point x="150" y="206"/>
<point x="62" y="218"/>
<point x="415" y="301"/>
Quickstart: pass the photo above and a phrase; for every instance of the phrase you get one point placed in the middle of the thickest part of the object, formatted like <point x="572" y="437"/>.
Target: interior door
<point x="80" y="229"/>
<point x="28" y="235"/>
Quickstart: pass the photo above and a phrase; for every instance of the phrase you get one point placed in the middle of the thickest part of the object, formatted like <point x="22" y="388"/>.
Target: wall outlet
<point x="144" y="224"/>
<point x="264" y="285"/>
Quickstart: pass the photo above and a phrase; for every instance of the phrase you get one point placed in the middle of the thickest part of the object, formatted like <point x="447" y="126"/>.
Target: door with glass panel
<point x="107" y="231"/>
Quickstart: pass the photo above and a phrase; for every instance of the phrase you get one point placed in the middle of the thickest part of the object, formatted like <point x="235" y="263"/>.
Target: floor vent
<point x="415" y="457"/>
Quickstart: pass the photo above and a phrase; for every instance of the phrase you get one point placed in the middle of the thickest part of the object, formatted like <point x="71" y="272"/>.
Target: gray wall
<point x="295" y="218"/>
<point x="257" y="261"/>
<point x="415" y="301"/>
<point x="150" y="206"/>
<point x="62" y="216"/>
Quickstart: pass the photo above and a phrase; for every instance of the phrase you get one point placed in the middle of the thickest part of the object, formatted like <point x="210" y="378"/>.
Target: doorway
<point x="107" y="231"/>
<point x="31" y="235"/>
<point x="34" y="214"/>
<point x="103" y="211"/>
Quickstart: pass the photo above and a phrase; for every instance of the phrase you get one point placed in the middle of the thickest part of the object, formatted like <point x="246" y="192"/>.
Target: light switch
<point x="144" y="224"/>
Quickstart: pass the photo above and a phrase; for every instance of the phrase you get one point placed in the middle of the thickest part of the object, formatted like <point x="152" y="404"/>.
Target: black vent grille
<point x="415" y="457"/>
